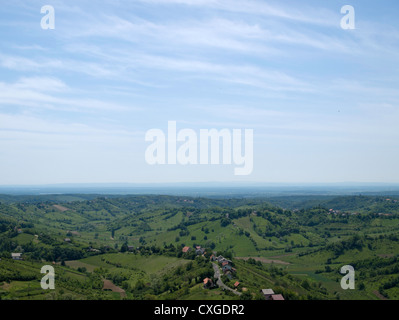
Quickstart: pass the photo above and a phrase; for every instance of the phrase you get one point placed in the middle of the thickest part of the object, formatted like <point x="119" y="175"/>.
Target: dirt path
<point x="283" y="255"/>
<point x="5" y="286"/>
<point x="264" y="260"/>
<point x="108" y="285"/>
<point x="379" y="295"/>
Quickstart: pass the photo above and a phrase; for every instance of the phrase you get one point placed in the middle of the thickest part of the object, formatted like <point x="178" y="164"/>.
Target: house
<point x="220" y="259"/>
<point x="236" y="284"/>
<point x="18" y="230"/>
<point x="213" y="258"/>
<point x="267" y="293"/>
<point x="16" y="256"/>
<point x="208" y="283"/>
<point x="199" y="250"/>
<point x="130" y="248"/>
<point x="277" y="297"/>
<point x="229" y="274"/>
<point x="186" y="249"/>
<point x="224" y="260"/>
<point x="67" y="240"/>
<point x="226" y="268"/>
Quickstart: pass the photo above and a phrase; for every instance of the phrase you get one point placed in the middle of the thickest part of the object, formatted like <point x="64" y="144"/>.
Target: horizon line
<point x="239" y="183"/>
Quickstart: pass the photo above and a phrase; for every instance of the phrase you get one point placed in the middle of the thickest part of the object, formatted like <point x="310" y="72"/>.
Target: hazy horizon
<point x="218" y="189"/>
<point x="216" y="183"/>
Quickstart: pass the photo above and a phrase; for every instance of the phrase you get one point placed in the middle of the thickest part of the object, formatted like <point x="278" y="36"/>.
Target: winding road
<point x="220" y="282"/>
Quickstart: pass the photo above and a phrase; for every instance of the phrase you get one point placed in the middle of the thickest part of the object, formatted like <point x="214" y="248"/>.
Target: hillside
<point x="136" y="242"/>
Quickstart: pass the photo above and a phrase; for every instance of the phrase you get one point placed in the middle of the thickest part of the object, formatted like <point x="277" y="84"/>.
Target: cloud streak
<point x="111" y="70"/>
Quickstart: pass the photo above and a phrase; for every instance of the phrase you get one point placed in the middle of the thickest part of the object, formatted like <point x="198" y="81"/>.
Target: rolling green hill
<point x="136" y="243"/>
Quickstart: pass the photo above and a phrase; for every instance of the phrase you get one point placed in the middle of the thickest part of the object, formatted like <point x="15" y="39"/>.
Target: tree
<point x="224" y="222"/>
<point x="305" y="284"/>
<point x="124" y="247"/>
<point x="246" y="296"/>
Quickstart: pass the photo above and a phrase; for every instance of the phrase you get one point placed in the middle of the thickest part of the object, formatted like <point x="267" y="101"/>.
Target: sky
<point x="77" y="101"/>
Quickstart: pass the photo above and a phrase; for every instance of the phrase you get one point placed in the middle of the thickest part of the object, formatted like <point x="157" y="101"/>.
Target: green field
<point x="135" y="243"/>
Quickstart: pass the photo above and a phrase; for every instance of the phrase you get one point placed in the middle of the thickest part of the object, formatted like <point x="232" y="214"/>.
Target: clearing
<point x="108" y="285"/>
<point x="61" y="208"/>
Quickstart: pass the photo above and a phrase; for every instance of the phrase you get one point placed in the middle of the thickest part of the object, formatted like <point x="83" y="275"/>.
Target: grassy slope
<point x="153" y="221"/>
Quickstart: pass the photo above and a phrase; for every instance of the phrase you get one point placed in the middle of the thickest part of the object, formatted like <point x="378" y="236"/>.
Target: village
<point x="221" y="266"/>
<point x="224" y="266"/>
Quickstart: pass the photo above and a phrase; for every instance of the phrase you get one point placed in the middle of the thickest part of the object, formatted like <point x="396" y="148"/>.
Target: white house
<point x="16" y="256"/>
<point x="267" y="293"/>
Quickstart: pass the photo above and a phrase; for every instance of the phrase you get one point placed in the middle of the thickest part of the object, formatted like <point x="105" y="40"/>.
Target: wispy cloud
<point x="51" y="93"/>
<point x="113" y="69"/>
<point x="30" y="124"/>
<point x="44" y="64"/>
<point x="306" y="14"/>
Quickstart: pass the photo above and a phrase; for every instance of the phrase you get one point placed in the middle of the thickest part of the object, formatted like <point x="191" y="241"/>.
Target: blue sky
<point x="76" y="101"/>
